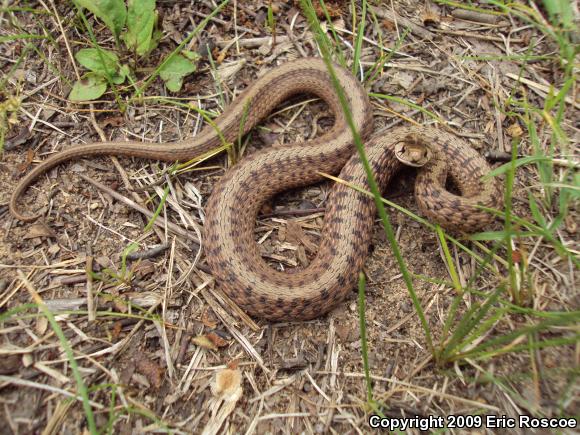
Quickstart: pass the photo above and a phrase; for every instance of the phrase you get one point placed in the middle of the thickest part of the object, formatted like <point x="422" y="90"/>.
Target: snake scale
<point x="231" y="212"/>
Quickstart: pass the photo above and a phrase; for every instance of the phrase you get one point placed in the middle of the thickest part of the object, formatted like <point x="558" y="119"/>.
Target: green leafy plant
<point x="112" y="12"/>
<point x="8" y="116"/>
<point x="123" y="276"/>
<point x="136" y="24"/>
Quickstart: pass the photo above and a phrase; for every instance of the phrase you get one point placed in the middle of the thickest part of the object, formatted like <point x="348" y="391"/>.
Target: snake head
<point x="413" y="151"/>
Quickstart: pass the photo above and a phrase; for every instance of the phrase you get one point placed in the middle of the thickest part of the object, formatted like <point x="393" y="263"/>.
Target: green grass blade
<point x="363" y="334"/>
<point x="360" y="33"/>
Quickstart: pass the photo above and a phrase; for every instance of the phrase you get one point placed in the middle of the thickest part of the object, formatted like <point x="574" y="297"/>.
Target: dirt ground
<point x="151" y="341"/>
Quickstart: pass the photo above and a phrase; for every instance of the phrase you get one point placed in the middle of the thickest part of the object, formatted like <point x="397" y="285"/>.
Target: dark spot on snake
<point x="351" y="257"/>
<point x="467" y="161"/>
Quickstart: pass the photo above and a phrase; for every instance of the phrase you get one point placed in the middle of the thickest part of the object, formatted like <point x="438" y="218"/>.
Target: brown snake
<point x="231" y="250"/>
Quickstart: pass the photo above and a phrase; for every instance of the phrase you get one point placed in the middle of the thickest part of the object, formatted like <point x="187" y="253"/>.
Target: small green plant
<point x="8" y="116"/>
<point x="125" y="275"/>
<point x="271" y="20"/>
<point x="136" y="24"/>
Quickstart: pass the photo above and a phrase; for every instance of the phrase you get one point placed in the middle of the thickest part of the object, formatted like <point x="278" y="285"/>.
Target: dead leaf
<point x="54" y="249"/>
<point x="41" y="325"/>
<point x="150" y="370"/>
<point x="205" y="342"/>
<point x="23" y="167"/>
<point x="333" y="8"/>
<point x="113" y="121"/>
<point x="144" y="268"/>
<point x="514" y="130"/>
<point x="120" y="305"/>
<point x="228" y="70"/>
<point x="233" y="365"/>
<point x="18" y="139"/>
<point x="227" y="385"/>
<point x="9" y="364"/>
<point x="302" y="258"/>
<point x="39" y="229"/>
<point x="216" y="339"/>
<point x="207" y="320"/>
<point x="295" y="235"/>
<point x="117" y="326"/>
<point x="388" y="25"/>
<point x="403" y="79"/>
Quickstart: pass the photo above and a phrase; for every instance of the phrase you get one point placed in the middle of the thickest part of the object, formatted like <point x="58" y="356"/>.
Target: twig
<point x="478" y="36"/>
<point x="251" y="42"/>
<point x="148" y="253"/>
<point x="478" y="17"/>
<point x="392" y="16"/>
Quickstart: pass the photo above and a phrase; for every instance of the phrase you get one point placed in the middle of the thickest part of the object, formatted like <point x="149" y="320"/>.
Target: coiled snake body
<point x="231" y="251"/>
